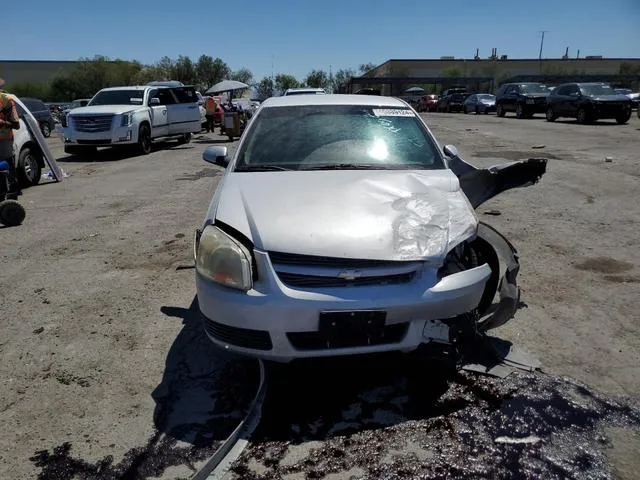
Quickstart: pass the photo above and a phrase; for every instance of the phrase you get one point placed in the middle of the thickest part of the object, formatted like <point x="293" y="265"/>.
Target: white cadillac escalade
<point x="126" y="116"/>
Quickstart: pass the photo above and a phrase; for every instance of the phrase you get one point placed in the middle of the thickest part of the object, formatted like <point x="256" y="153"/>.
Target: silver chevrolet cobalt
<point x="341" y="227"/>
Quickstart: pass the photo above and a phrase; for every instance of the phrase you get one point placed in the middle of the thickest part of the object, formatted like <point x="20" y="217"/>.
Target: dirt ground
<point x="105" y="371"/>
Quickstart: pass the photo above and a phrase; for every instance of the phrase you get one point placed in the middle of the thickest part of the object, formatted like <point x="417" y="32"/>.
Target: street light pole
<point x="540" y="54"/>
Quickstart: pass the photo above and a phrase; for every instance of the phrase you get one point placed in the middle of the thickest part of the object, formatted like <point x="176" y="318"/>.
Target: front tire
<point x="550" y="115"/>
<point x="46" y="130"/>
<point x="28" y="168"/>
<point x="624" y="118"/>
<point x="144" y="140"/>
<point x="582" y="116"/>
<point x="520" y="111"/>
<point x="500" y="111"/>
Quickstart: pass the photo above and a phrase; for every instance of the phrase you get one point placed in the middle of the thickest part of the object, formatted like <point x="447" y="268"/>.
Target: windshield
<point x="597" y="90"/>
<point x="338" y="136"/>
<point x="118" y="97"/>
<point x="486" y="96"/>
<point x="623" y="91"/>
<point x="534" y="88"/>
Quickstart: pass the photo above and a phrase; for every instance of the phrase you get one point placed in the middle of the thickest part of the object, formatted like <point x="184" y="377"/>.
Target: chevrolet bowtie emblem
<point x="350" y="274"/>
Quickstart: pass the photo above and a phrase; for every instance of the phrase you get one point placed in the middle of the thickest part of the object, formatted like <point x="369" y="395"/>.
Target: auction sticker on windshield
<point x="392" y="112"/>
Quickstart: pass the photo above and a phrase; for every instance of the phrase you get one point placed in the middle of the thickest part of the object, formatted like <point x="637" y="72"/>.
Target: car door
<point x="558" y="101"/>
<point x="571" y="100"/>
<point x="184" y="115"/>
<point x="159" y="111"/>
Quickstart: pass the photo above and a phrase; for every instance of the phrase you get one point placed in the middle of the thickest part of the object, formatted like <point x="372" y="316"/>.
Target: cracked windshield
<point x="322" y="240"/>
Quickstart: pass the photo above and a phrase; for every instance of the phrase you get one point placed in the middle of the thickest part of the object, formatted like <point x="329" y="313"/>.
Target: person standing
<point x="9" y="121"/>
<point x="210" y="107"/>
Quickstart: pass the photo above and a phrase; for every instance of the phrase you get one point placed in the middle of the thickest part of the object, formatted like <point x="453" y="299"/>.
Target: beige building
<point x="440" y="72"/>
<point x="36" y="71"/>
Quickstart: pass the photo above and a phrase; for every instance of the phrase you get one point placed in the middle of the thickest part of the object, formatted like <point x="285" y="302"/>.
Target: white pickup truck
<point x="126" y="116"/>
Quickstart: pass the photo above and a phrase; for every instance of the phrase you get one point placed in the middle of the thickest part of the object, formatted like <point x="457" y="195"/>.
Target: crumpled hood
<point x="104" y="109"/>
<point x="373" y="214"/>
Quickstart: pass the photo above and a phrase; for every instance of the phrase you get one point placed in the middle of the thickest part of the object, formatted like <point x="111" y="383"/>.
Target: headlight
<point x="127" y="119"/>
<point x="223" y="260"/>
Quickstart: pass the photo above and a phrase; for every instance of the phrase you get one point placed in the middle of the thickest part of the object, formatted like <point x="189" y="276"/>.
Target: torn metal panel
<point x="479" y="185"/>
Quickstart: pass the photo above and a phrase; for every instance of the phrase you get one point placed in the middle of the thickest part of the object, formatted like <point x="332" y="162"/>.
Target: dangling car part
<point x="360" y="238"/>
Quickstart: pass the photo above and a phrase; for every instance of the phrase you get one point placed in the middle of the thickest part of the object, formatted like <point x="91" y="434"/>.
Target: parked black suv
<point x="42" y="114"/>
<point x="588" y="102"/>
<point x="525" y="99"/>
<point x="452" y="100"/>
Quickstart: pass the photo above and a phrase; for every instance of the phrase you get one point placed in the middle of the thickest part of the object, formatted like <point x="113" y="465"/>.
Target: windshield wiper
<point x="347" y="166"/>
<point x="261" y="168"/>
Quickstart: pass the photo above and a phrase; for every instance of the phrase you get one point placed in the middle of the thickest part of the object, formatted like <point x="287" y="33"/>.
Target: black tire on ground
<point x="11" y="213"/>
<point x="582" y="116"/>
<point x="46" y="130"/>
<point x="464" y="109"/>
<point x="477" y="110"/>
<point x="230" y="138"/>
<point x="550" y="115"/>
<point x="28" y="167"/>
<point x="520" y="111"/>
<point x="624" y="118"/>
<point x="500" y="111"/>
<point x="186" y="138"/>
<point x="144" y="139"/>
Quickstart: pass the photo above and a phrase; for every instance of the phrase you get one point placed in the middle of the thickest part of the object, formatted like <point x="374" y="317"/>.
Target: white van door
<point x="160" y="111"/>
<point x="184" y="116"/>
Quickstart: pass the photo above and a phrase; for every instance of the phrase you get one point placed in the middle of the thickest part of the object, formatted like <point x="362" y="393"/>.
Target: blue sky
<point x="303" y="35"/>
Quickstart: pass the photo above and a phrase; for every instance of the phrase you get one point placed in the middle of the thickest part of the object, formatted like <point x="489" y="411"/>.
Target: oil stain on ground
<point x="404" y="422"/>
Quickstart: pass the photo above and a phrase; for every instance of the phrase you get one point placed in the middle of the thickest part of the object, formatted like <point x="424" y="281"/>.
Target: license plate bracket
<point x="349" y="328"/>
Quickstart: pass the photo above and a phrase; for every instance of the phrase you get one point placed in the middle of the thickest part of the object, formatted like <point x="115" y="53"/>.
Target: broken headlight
<point x="222" y="259"/>
<point x="462" y="257"/>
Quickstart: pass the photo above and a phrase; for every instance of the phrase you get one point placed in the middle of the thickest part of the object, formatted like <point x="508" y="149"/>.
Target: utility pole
<point x="541" y="44"/>
<point x="330" y="80"/>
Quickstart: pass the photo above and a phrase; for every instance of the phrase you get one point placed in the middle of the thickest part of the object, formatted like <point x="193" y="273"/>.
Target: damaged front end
<point x="501" y="298"/>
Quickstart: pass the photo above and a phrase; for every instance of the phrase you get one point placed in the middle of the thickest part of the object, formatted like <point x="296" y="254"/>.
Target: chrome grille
<point x="307" y="271"/>
<point x="92" y="123"/>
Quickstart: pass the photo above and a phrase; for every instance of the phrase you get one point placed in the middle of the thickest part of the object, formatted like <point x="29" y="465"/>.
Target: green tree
<point x="366" y="67"/>
<point x="166" y="69"/>
<point x="341" y="78"/>
<point x="265" y="88"/>
<point x="221" y="70"/>
<point x="185" y="71"/>
<point x="317" y="79"/>
<point x="30" y="89"/>
<point x="206" y="71"/>
<point x="285" y="81"/>
<point x="243" y="75"/>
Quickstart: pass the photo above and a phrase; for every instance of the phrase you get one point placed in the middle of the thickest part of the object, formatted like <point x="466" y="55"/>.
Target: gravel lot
<point x="106" y="374"/>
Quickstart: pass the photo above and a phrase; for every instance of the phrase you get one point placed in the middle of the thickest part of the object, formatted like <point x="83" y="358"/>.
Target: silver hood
<point x="373" y="214"/>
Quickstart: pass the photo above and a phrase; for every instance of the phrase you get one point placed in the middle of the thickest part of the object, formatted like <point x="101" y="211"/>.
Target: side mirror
<point x="450" y="151"/>
<point x="216" y="154"/>
<point x="154" y="101"/>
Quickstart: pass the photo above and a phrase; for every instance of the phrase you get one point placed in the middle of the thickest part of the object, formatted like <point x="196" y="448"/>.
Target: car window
<point x="185" y="94"/>
<point x="533" y="88"/>
<point x="166" y="97"/>
<point x="596" y="90"/>
<point x="572" y="90"/>
<point x="304" y="137"/>
<point x="32" y="105"/>
<point x="118" y="97"/>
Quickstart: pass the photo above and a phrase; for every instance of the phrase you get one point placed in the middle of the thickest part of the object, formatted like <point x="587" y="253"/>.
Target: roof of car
<point x="333" y="99"/>
<point x="134" y="87"/>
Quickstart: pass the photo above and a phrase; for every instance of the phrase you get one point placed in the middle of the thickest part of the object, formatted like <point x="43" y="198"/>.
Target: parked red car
<point x="428" y="103"/>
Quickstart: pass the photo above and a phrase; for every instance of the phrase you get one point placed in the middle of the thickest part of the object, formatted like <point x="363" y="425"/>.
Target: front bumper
<point x="115" y="136"/>
<point x="276" y="322"/>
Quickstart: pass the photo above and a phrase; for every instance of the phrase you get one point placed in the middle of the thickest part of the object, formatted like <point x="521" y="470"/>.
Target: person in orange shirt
<point x="210" y="106"/>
